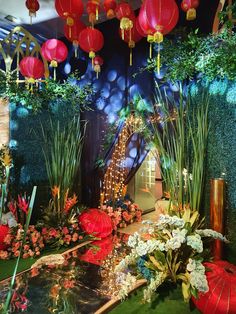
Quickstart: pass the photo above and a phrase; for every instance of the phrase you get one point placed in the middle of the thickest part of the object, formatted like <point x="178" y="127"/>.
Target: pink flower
<point x="23" y="204"/>
<point x="25" y="255"/>
<point x="44" y="231"/>
<point x="17" y="253"/>
<point x="75" y="237"/>
<point x="65" y="230"/>
<point x="3" y="255"/>
<point x="53" y="232"/>
<point x="67" y="239"/>
<point x="34" y="272"/>
<point x="68" y="284"/>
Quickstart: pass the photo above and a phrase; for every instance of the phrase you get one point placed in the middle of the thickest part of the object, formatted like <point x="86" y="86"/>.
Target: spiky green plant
<point x="179" y="134"/>
<point x="62" y="153"/>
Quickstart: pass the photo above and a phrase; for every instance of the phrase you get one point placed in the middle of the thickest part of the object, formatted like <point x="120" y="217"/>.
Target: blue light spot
<point x="67" y="68"/>
<point x="108" y="109"/>
<point x="121" y="83"/>
<point x="112" y="75"/>
<point x="13" y="125"/>
<point x="101" y="103"/>
<point x="133" y="152"/>
<point x="129" y="162"/>
<point x="22" y="112"/>
<point x="12" y="106"/>
<point x="13" y="144"/>
<point x="135" y="89"/>
<point x="112" y="118"/>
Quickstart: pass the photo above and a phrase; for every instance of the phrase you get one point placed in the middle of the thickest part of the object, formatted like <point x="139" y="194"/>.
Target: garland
<point x="47" y="93"/>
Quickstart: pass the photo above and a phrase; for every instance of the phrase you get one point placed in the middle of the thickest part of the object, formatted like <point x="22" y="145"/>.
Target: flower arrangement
<point x="172" y="252"/>
<point x="123" y="212"/>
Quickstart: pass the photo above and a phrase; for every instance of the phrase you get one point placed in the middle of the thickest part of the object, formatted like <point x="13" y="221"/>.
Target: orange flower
<point x="70" y="202"/>
<point x="55" y="191"/>
<point x="55" y="291"/>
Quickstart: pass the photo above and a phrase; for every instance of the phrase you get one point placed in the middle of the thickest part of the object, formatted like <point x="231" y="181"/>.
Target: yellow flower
<point x="6" y="158"/>
<point x="55" y="191"/>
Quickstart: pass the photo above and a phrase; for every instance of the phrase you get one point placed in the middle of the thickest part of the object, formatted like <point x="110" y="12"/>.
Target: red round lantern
<point x="109" y="8"/>
<point x="97" y="63"/>
<point x="32" y="68"/>
<point x="126" y="15"/>
<point x="3" y="232"/>
<point x="33" y="6"/>
<point x="69" y="10"/>
<point x="96" y="222"/>
<point x="104" y="247"/>
<point x="190" y="6"/>
<point x="91" y="40"/>
<point x="143" y="22"/>
<point x="93" y="8"/>
<point x="54" y="51"/>
<point x="72" y="33"/>
<point x="221" y="297"/>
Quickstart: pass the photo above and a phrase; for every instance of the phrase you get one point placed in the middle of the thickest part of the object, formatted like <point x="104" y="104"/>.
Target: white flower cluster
<point x="198" y="278"/>
<point x="127" y="283"/>
<point x="153" y="285"/>
<point x="173" y="221"/>
<point x="130" y="259"/>
<point x="134" y="240"/>
<point x="179" y="237"/>
<point x="195" y="242"/>
<point x="211" y="233"/>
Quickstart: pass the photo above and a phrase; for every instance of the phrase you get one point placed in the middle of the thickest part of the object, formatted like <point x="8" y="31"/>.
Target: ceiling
<point x="47" y="23"/>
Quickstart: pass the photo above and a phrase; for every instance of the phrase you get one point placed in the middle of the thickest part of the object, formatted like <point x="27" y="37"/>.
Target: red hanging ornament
<point x="72" y="33"/>
<point x="91" y="40"/>
<point x="221" y="297"/>
<point x="69" y="10"/>
<point x="93" y="9"/>
<point x="126" y="15"/>
<point x="162" y="16"/>
<point x="190" y="6"/>
<point x="31" y="68"/>
<point x="97" y="63"/>
<point x="33" y="6"/>
<point x="109" y="8"/>
<point x="96" y="222"/>
<point x="3" y="232"/>
<point x="54" y="51"/>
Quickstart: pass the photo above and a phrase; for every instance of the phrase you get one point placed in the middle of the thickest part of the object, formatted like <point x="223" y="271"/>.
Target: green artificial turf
<point x="7" y="266"/>
<point x="168" y="301"/>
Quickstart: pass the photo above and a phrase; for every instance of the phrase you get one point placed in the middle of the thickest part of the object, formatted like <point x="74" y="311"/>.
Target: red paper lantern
<point x="93" y="8"/>
<point x="33" y="6"/>
<point x="69" y="10"/>
<point x="54" y="51"/>
<point x="143" y="22"/>
<point x="126" y="15"/>
<point x="190" y="6"/>
<point x="3" y="232"/>
<point x="97" y="63"/>
<point x="32" y="68"/>
<point x="91" y="40"/>
<point x="109" y="8"/>
<point x="96" y="222"/>
<point x="72" y="33"/>
<point x="96" y="256"/>
<point x="221" y="297"/>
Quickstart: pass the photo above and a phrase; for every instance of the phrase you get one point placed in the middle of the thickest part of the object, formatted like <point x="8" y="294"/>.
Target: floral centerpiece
<point x="123" y="212"/>
<point x="173" y="251"/>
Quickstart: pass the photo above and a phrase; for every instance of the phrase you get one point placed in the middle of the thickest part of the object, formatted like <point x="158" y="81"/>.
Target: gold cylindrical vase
<point x="217" y="204"/>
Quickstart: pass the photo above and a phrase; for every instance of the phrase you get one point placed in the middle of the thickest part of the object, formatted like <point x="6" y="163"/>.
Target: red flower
<point x="23" y="204"/>
<point x="12" y="207"/>
<point x="68" y="284"/>
<point x="53" y="232"/>
<point x="70" y="202"/>
<point x="65" y="230"/>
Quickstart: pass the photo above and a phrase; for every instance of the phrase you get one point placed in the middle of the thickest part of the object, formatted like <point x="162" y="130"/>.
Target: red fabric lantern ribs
<point x="69" y="10"/>
<point x="72" y="33"/>
<point x="126" y="15"/>
<point x="221" y="297"/>
<point x="190" y="6"/>
<point x="33" y="6"/>
<point x="109" y="8"/>
<point x="32" y="68"/>
<point x="93" y="8"/>
<point x="91" y="40"/>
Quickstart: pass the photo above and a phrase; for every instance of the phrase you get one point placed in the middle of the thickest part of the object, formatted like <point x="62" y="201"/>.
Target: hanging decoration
<point x="126" y="15"/>
<point x="72" y="33"/>
<point x="91" y="40"/>
<point x="189" y="6"/>
<point x="98" y="62"/>
<point x="162" y="17"/>
<point x="70" y="10"/>
<point x="220" y="298"/>
<point x="93" y="9"/>
<point x="4" y="229"/>
<point x="33" y="6"/>
<point x="110" y="7"/>
<point x="32" y="69"/>
<point x="54" y="51"/>
<point x="131" y="38"/>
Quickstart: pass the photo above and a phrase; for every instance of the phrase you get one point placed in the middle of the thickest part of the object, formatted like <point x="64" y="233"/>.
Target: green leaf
<point x="186" y="291"/>
<point x="160" y="256"/>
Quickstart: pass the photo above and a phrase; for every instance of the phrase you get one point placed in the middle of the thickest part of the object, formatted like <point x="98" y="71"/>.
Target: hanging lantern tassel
<point x="97" y="69"/>
<point x="158" y="38"/>
<point x="70" y="23"/>
<point x="125" y="24"/>
<point x="96" y="13"/>
<point x="76" y="46"/>
<point x="150" y="39"/>
<point x="191" y="14"/>
<point x="92" y="56"/>
<point x="54" y="64"/>
<point x="131" y="46"/>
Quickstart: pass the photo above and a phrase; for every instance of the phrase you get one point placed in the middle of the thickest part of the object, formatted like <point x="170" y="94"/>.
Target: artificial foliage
<point x="191" y="56"/>
<point x="45" y="94"/>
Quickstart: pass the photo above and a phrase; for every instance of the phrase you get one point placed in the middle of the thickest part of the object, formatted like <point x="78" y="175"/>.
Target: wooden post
<point x="4" y="122"/>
